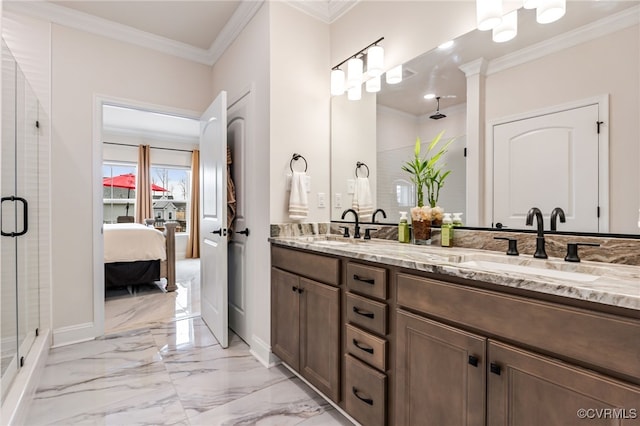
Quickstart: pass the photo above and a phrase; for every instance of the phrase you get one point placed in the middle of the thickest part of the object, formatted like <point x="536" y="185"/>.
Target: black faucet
<point x="554" y="216"/>
<point x="356" y="233"/>
<point x="373" y="218"/>
<point x="540" y="252"/>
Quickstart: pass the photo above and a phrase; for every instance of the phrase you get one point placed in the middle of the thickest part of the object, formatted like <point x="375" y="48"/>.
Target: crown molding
<point x="327" y="11"/>
<point x="238" y="21"/>
<point x="92" y="24"/>
<point x="478" y="66"/>
<point x="599" y="28"/>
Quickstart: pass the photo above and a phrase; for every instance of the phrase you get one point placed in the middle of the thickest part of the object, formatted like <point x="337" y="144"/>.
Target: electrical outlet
<point x="338" y="201"/>
<point x="321" y="203"/>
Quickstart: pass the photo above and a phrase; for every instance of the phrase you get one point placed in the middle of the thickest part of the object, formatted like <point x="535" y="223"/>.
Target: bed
<point x="136" y="254"/>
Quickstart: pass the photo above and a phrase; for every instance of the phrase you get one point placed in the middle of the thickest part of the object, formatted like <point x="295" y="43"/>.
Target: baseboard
<point x="262" y="352"/>
<point x="64" y="336"/>
<point x="336" y="406"/>
<point x="16" y="404"/>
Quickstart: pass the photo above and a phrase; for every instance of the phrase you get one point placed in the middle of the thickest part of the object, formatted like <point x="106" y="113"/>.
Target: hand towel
<point x="298" y="204"/>
<point x="362" y="200"/>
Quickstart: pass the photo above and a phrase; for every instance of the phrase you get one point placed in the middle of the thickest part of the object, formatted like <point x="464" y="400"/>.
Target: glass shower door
<point x="19" y="267"/>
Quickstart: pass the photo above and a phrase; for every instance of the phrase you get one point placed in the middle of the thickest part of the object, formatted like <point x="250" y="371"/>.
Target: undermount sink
<point x="529" y="270"/>
<point x="331" y="243"/>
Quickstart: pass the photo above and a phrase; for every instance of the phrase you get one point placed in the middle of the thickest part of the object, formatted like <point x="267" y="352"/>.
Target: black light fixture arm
<point x="355" y="55"/>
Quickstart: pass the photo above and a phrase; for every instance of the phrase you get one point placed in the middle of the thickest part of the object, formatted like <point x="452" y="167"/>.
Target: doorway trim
<point x="99" y="101"/>
<point x="603" y="152"/>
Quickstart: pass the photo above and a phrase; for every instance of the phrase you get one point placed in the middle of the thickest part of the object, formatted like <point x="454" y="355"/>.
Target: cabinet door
<point x="320" y="336"/>
<point x="285" y="313"/>
<point x="440" y="375"/>
<point x="528" y="389"/>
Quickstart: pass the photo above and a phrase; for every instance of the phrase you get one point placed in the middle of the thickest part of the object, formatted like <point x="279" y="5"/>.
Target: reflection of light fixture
<point x="446" y="45"/>
<point x="355" y="93"/>
<point x="394" y="75"/>
<point x="355" y="74"/>
<point x="373" y="85"/>
<point x="550" y="10"/>
<point x="375" y="61"/>
<point x="530" y="4"/>
<point x="438" y="115"/>
<point x="489" y="14"/>
<point x="337" y="82"/>
<point x="507" y="29"/>
<point x="430" y="96"/>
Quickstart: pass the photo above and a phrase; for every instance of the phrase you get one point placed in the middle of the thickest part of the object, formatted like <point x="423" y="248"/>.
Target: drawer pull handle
<point x="495" y="368"/>
<point x="363" y="347"/>
<point x="294" y="289"/>
<point x="363" y="313"/>
<point x="364" y="280"/>
<point x="473" y="360"/>
<point x="365" y="400"/>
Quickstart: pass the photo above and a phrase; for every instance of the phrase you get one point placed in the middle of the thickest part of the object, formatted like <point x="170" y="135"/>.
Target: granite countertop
<point x="610" y="284"/>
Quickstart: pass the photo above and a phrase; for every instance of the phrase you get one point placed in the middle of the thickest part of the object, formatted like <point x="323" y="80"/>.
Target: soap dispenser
<point x="446" y="231"/>
<point x="457" y="219"/>
<point x="403" y="228"/>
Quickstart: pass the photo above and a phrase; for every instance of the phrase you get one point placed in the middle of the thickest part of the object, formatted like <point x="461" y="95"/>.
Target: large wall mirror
<point x="590" y="56"/>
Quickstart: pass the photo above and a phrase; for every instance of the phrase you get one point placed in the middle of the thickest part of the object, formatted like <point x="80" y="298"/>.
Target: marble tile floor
<point x="171" y="373"/>
<point x="133" y="311"/>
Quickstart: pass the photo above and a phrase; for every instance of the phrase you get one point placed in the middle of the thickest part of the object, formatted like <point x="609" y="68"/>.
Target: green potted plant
<point x="427" y="172"/>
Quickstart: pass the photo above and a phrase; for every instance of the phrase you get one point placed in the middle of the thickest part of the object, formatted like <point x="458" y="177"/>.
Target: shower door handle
<point x="25" y="216"/>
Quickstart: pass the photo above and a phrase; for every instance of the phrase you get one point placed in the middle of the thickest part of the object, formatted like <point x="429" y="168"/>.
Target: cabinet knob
<point x="473" y="360"/>
<point x="495" y="369"/>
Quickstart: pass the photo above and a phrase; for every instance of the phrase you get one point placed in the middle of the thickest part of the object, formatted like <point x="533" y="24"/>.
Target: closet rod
<point x="152" y="147"/>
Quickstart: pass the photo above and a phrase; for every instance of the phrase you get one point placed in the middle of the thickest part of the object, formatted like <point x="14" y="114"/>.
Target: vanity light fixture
<point x="394" y="75"/>
<point x="356" y="74"/>
<point x="373" y="85"/>
<point x="488" y="14"/>
<point x="337" y="82"/>
<point x="530" y="4"/>
<point x="375" y="61"/>
<point x="550" y="10"/>
<point x="507" y="29"/>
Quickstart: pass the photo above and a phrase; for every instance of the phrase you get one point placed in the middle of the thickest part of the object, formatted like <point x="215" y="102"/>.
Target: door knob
<point x="222" y="232"/>
<point x="245" y="232"/>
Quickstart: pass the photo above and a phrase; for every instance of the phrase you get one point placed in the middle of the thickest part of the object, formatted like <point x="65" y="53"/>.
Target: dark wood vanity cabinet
<point x="305" y="318"/>
<point x="442" y="369"/>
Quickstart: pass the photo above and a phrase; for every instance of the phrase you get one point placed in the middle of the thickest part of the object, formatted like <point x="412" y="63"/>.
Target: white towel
<point x="362" y="200"/>
<point x="298" y="204"/>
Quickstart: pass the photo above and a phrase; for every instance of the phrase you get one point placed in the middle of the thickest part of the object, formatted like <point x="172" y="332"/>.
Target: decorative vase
<point x="421" y="232"/>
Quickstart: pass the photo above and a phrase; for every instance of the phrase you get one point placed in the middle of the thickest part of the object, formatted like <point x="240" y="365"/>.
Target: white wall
<point x="84" y="66"/>
<point x="300" y="107"/>
<point x="607" y="65"/>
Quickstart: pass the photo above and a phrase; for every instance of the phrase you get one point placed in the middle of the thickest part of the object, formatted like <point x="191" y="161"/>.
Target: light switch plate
<point x="321" y="202"/>
<point x="338" y="201"/>
<point x="351" y="186"/>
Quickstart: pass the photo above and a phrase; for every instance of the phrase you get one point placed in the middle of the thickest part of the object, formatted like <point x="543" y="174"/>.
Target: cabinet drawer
<point x="367" y="347"/>
<point x="367" y="313"/>
<point x="366" y="391"/>
<point x="367" y="280"/>
<point x="320" y="268"/>
<point x="598" y="339"/>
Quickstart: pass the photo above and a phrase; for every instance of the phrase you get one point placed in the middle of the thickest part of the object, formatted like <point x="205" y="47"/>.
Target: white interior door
<point x="213" y="219"/>
<point x="241" y="237"/>
<point x="548" y="161"/>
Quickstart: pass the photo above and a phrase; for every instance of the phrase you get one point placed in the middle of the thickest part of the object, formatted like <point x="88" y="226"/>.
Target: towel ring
<point x="296" y="157"/>
<point x="360" y="164"/>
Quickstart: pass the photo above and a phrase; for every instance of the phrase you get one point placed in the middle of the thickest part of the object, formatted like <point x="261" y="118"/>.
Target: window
<point x="170" y="192"/>
<point x="118" y="190"/>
